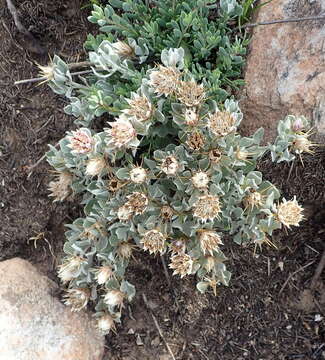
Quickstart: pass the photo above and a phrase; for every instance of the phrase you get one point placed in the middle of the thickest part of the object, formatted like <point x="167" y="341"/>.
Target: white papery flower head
<point x="207" y="207"/>
<point x="209" y="241"/>
<point x="105" y="324"/>
<point x="138" y="175"/>
<point x="154" y="241"/>
<point x="77" y="298"/>
<point x="200" y="180"/>
<point x="81" y="141"/>
<point x="140" y="108"/>
<point x="289" y="213"/>
<point x="121" y="132"/>
<point x="114" y="298"/>
<point x="95" y="166"/>
<point x="103" y="274"/>
<point x="164" y="80"/>
<point x="182" y="264"/>
<point x="170" y="165"/>
<point x="124" y="213"/>
<point x="69" y="269"/>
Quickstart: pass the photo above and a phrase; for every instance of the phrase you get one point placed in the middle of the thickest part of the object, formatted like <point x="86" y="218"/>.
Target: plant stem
<point x="281" y="21"/>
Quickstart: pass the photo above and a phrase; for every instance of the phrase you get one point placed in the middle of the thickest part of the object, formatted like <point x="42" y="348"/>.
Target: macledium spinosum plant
<point x="169" y="175"/>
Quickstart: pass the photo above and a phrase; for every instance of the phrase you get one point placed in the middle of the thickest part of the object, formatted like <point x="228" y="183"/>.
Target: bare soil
<point x="267" y="312"/>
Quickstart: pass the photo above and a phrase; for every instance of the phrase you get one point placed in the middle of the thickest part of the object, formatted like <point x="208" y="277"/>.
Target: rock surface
<point x="285" y="70"/>
<point x="36" y="326"/>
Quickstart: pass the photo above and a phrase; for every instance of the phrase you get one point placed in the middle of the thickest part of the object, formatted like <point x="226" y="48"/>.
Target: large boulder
<point x="34" y="325"/>
<point x="285" y="72"/>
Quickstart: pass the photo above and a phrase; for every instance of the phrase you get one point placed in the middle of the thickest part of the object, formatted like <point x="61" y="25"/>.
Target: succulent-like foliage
<point x="169" y="174"/>
<point x="177" y="199"/>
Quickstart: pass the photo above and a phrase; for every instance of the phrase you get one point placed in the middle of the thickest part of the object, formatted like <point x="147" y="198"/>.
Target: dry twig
<point x="281" y="21"/>
<point x="318" y="272"/>
<point x="37" y="48"/>
<point x="158" y="327"/>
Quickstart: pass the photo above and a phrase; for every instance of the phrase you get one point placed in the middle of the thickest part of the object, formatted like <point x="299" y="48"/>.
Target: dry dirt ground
<point x="267" y="312"/>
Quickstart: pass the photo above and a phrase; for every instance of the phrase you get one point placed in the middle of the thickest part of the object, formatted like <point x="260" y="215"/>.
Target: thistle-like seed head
<point x="210" y="263"/>
<point x="140" y="108"/>
<point x="77" y="298"/>
<point x="95" y="166"/>
<point x="253" y="199"/>
<point x="105" y="324"/>
<point x="170" y="165"/>
<point x="200" y="180"/>
<point x="166" y="212"/>
<point x="60" y="189"/>
<point x="122" y="132"/>
<point x="47" y="71"/>
<point x="221" y="123"/>
<point x="114" y="298"/>
<point x="137" y="202"/>
<point x="154" y="241"/>
<point x="138" y="175"/>
<point x="190" y="93"/>
<point x="195" y="141"/>
<point x="68" y="270"/>
<point x="182" y="264"/>
<point x="164" y="80"/>
<point x="209" y="241"/>
<point x="207" y="207"/>
<point x="81" y="141"/>
<point x="124" y="213"/>
<point x="289" y="213"/>
<point x="103" y="274"/>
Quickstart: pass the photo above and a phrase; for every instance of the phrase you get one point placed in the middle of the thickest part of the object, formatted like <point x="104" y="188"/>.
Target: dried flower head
<point x="81" y="142"/>
<point x="95" y="166"/>
<point x="170" y="165"/>
<point x="125" y="250"/>
<point x="69" y="269"/>
<point x="114" y="298"/>
<point x="103" y="274"/>
<point x="47" y="72"/>
<point x="182" y="264"/>
<point x="140" y="108"/>
<point x="154" y="241"/>
<point x="60" y="189"/>
<point x="105" y="324"/>
<point x="124" y="213"/>
<point x="123" y="50"/>
<point x="114" y="184"/>
<point x="121" y="132"/>
<point x="209" y="241"/>
<point x="178" y="246"/>
<point x="221" y="123"/>
<point x="253" y="199"/>
<point x="164" y="80"/>
<point x="215" y="156"/>
<point x="207" y="207"/>
<point x="195" y="141"/>
<point x="200" y="180"/>
<point x="302" y="144"/>
<point x="191" y="117"/>
<point x="137" y="202"/>
<point x="190" y="93"/>
<point x="77" y="298"/>
<point x="289" y="212"/>
<point x="166" y="212"/>
<point x="138" y="175"/>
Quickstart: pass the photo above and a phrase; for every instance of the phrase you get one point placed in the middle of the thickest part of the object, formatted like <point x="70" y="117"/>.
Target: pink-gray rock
<point x="34" y="325"/>
<point x="285" y="72"/>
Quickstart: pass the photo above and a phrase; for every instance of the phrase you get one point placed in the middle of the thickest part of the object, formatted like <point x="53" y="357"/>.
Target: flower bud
<point x="95" y="166"/>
